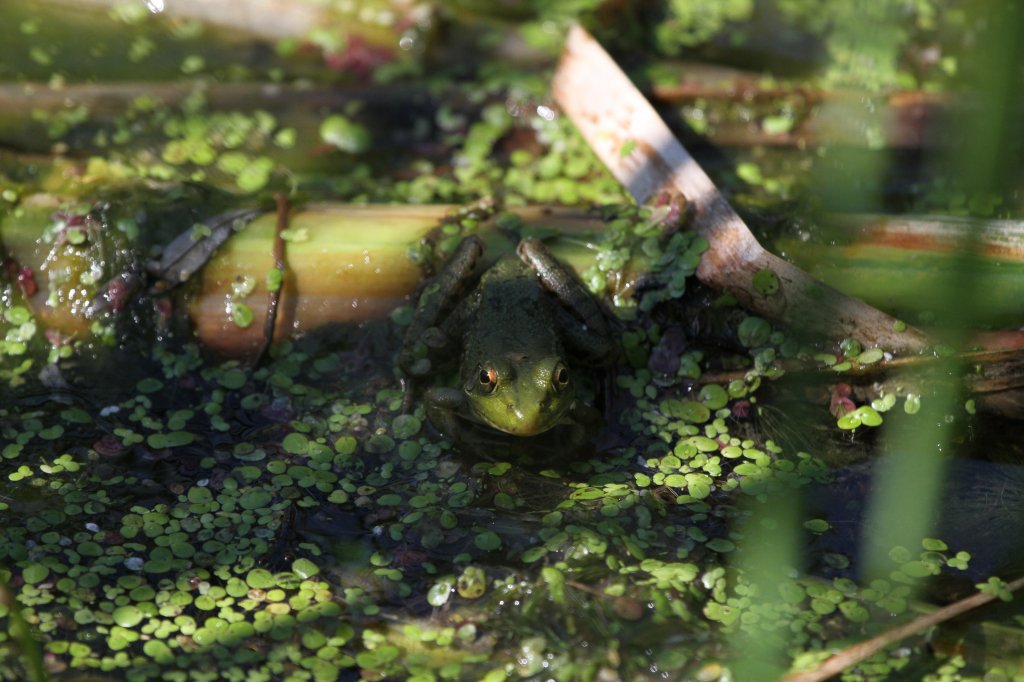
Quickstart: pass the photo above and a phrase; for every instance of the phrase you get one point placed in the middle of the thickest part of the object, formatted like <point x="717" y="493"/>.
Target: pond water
<point x="170" y="513"/>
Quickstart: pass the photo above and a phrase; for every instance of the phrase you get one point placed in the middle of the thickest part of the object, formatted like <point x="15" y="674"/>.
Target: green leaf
<point x="766" y="282"/>
<point x="256" y="498"/>
<point x="441" y="591"/>
<point x="296" y="444"/>
<point x="241" y="314"/>
<point x="487" y="540"/>
<point x="713" y="396"/>
<point x="35" y="573"/>
<point x="232" y="379"/>
<point x="127" y="616"/>
<point x="346" y="135"/>
<point x="305" y="568"/>
<point x="260" y="578"/>
<point x="816" y="525"/>
<point x="753" y="332"/>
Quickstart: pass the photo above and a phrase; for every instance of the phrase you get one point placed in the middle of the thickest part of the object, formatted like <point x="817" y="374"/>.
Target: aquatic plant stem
<point x="638" y="148"/>
<point x="20" y="633"/>
<point x="274" y="295"/>
<point x="853" y="655"/>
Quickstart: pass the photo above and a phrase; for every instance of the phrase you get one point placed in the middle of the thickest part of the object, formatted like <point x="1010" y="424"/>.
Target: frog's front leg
<point x="589" y="335"/>
<point x="443" y="406"/>
<point x="426" y="335"/>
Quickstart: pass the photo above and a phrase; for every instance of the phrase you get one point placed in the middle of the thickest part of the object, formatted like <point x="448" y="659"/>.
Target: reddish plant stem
<point x="274" y="298"/>
<point x="853" y="655"/>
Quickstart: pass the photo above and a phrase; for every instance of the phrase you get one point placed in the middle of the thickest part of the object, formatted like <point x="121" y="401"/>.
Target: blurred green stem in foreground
<point x="909" y="479"/>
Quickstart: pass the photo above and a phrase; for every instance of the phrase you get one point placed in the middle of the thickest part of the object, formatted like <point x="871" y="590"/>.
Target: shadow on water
<point x="982" y="510"/>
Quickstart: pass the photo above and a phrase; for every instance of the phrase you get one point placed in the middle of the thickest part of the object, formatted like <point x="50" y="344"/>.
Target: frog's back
<point x="513" y="315"/>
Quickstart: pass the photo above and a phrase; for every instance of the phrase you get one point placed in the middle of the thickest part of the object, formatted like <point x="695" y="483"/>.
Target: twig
<point x="859" y="652"/>
<point x="991" y="370"/>
<point x="628" y="135"/>
<point x="274" y="296"/>
<point x="905" y="118"/>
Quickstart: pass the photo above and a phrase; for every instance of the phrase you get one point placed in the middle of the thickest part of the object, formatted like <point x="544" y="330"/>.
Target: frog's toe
<point x="434" y="338"/>
<point x="414" y="366"/>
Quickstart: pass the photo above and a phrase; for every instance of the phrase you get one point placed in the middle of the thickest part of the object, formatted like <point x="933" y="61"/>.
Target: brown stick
<point x="858" y="652"/>
<point x="628" y="135"/>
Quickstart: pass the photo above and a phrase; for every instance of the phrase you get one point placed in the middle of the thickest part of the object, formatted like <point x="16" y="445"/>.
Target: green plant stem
<point x="22" y="634"/>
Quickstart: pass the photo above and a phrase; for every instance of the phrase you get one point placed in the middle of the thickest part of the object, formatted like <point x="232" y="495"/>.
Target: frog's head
<point x="520" y="395"/>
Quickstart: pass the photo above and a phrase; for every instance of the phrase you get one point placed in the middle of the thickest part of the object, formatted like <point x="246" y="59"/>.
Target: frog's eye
<point x="488" y="379"/>
<point x="560" y="377"/>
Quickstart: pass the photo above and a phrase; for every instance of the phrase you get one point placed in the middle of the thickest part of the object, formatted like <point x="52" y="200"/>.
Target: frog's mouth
<point x="524" y="423"/>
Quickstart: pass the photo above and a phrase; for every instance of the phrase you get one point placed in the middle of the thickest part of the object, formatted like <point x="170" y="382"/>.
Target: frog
<point x="522" y="328"/>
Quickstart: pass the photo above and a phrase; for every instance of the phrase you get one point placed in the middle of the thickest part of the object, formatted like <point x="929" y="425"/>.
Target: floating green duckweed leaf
<point x="345" y="445"/>
<point x="346" y="135"/>
<point x="35" y="574"/>
<point x="441" y="591"/>
<point x="534" y="554"/>
<point x="702" y="443"/>
<point x="869" y="416"/>
<point x="405" y="426"/>
<point x="127" y="616"/>
<point x="255" y="498"/>
<point x="753" y="332"/>
<point x="260" y="579"/>
<point x="304" y="568"/>
<point x="912" y="403"/>
<point x="688" y="410"/>
<point x="17" y="315"/>
<point x="233" y="379"/>
<point x="720" y="545"/>
<point x="241" y="314"/>
<point x="919" y="569"/>
<point x="487" y="540"/>
<point x="149" y="385"/>
<point x="698" y="486"/>
<point x="816" y="525"/>
<point x="380" y="443"/>
<point x="850" y="347"/>
<point x="713" y="396"/>
<point x="174" y="439"/>
<point x="52" y="433"/>
<point x="864" y="414"/>
<point x="158" y="651"/>
<point x="884" y="403"/>
<point x="296" y="444"/>
<point x="870" y="356"/>
<point x="766" y="282"/>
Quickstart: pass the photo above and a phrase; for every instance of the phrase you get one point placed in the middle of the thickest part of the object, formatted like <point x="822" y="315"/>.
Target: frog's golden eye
<point x="560" y="377"/>
<point x="488" y="379"/>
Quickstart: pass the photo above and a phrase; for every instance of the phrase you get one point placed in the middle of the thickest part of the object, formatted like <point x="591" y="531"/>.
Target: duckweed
<point x="216" y="521"/>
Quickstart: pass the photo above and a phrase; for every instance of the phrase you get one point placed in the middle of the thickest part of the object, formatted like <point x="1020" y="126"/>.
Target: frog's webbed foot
<point x="430" y="331"/>
<point x="589" y="347"/>
<point x="583" y="324"/>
